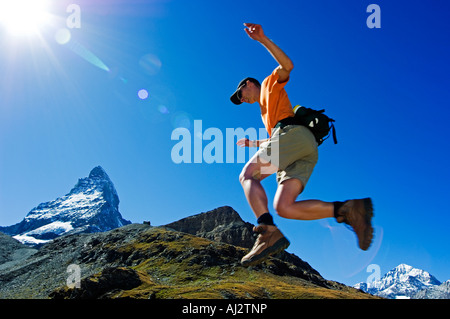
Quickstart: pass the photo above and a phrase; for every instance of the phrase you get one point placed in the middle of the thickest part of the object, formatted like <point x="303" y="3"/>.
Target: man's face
<point x="248" y="93"/>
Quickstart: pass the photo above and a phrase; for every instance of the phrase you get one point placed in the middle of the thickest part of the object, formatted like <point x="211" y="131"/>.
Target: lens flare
<point x="87" y="55"/>
<point x="348" y="258"/>
<point x="181" y="119"/>
<point x="163" y="109"/>
<point x="63" y="36"/>
<point x="143" y="94"/>
<point x="150" y="63"/>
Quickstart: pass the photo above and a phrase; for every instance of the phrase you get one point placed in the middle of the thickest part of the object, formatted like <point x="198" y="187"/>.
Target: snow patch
<point x="28" y="240"/>
<point x="55" y="227"/>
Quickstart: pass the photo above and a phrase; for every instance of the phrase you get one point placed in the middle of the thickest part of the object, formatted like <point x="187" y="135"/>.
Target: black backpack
<point x="319" y="124"/>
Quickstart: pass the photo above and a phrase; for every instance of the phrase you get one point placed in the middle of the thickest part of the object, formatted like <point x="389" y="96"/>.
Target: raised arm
<point x="256" y="33"/>
<point x="245" y="142"/>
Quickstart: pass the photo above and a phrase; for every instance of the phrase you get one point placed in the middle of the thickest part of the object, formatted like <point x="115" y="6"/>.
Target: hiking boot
<point x="270" y="241"/>
<point x="358" y="214"/>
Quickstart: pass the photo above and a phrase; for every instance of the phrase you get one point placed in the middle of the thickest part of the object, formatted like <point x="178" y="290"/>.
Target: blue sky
<point x="68" y="106"/>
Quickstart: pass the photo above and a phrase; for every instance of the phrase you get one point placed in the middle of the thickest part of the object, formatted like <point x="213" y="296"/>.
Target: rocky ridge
<point x="141" y="261"/>
<point x="221" y="224"/>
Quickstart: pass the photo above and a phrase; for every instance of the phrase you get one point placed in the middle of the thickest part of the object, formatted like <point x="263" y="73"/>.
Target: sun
<point x="23" y="17"/>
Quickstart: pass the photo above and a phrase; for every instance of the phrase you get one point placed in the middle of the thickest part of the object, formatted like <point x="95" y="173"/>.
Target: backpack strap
<point x="334" y="132"/>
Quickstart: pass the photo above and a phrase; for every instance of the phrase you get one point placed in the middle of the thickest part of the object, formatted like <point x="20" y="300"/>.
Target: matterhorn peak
<point x="98" y="172"/>
<point x="91" y="206"/>
<point x="98" y="182"/>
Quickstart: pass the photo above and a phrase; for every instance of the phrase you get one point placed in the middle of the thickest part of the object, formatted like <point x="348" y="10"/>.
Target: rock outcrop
<point x="222" y="224"/>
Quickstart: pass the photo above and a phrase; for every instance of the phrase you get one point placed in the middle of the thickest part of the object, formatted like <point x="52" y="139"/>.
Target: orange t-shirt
<point x="274" y="102"/>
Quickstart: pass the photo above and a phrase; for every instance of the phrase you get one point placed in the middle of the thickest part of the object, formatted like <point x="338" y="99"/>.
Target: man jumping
<point x="297" y="153"/>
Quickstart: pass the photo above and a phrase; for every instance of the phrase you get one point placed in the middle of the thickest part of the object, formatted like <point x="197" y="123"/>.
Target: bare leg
<point x="286" y="205"/>
<point x="251" y="178"/>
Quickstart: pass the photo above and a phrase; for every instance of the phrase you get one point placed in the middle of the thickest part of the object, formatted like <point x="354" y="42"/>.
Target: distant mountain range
<point x="91" y="206"/>
<point x="197" y="257"/>
<point x="407" y="282"/>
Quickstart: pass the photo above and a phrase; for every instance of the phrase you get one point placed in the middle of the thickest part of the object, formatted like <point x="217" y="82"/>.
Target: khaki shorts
<point x="297" y="149"/>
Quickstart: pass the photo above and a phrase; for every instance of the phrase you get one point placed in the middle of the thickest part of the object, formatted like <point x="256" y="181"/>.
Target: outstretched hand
<point x="254" y="31"/>
<point x="243" y="142"/>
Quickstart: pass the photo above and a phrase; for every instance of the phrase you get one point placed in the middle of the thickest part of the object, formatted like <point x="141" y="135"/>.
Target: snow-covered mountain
<point x="91" y="206"/>
<point x="403" y="281"/>
<point x="435" y="292"/>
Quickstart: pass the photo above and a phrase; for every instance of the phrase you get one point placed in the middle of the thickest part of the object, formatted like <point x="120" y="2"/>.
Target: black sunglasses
<point x="239" y="94"/>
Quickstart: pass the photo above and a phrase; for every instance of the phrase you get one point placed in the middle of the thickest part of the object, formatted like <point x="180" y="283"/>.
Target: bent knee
<point x="242" y="177"/>
<point x="282" y="208"/>
<point x="249" y="174"/>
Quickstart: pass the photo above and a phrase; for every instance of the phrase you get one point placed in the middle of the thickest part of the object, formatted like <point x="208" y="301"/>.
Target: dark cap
<point x="236" y="97"/>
